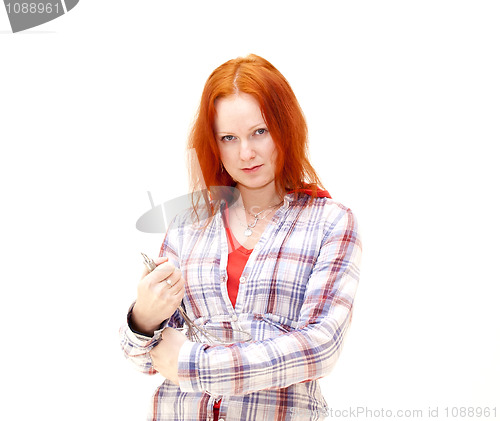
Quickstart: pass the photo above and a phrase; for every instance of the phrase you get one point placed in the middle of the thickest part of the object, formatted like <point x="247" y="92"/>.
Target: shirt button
<point x="223" y="279"/>
<point x="234" y="318"/>
<point x="221" y="419"/>
<point x="243" y="279"/>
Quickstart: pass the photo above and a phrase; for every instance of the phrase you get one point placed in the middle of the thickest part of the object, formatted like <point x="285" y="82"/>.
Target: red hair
<point x="281" y="111"/>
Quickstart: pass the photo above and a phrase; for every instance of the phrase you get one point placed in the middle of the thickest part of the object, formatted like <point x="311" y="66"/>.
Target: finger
<point x="179" y="289"/>
<point x="167" y="290"/>
<point x="174" y="278"/>
<point x="180" y="293"/>
<point x="162" y="272"/>
<point x="158" y="261"/>
<point x="179" y="283"/>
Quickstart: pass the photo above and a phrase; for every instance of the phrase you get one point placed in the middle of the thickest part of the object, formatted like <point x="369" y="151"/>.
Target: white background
<point x="402" y="101"/>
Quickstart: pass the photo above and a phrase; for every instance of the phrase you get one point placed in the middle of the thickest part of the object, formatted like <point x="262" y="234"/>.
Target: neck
<point x="256" y="200"/>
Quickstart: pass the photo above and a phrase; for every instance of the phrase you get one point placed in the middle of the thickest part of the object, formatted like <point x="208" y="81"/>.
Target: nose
<point x="246" y="150"/>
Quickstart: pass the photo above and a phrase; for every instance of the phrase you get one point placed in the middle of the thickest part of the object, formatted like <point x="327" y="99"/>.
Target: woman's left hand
<point x="165" y="355"/>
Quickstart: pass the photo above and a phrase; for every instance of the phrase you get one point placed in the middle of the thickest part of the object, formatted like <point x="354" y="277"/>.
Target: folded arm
<point x="304" y="354"/>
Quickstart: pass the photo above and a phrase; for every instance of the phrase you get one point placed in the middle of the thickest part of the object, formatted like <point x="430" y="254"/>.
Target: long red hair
<point x="281" y="111"/>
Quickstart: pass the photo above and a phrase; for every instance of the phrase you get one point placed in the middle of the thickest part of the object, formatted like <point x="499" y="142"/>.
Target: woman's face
<point x="247" y="150"/>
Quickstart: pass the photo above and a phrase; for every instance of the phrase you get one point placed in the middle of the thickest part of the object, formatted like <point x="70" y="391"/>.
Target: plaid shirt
<point x="295" y="298"/>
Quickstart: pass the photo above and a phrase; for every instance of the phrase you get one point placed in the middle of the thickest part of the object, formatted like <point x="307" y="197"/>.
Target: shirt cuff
<point x="140" y="339"/>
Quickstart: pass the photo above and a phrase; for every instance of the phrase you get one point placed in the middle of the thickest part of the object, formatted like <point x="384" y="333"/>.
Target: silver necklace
<point x="249" y="228"/>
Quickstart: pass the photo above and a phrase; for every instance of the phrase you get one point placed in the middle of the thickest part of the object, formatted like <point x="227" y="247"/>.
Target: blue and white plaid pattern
<point x="295" y="298"/>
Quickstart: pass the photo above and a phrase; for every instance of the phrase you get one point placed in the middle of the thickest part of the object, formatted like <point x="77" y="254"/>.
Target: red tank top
<point x="236" y="260"/>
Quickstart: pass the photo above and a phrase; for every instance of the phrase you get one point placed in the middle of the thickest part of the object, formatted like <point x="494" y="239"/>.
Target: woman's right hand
<point x="159" y="294"/>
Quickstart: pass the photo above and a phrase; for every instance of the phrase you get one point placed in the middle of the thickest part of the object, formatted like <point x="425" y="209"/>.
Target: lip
<point x="252" y="169"/>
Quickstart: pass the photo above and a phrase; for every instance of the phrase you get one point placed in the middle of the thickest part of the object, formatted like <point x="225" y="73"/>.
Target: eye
<point x="260" y="131"/>
<point x="227" y="138"/>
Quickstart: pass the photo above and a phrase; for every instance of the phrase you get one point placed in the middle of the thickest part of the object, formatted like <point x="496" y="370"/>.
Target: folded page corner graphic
<point x="152" y="221"/>
<point x="25" y="15"/>
<point x="70" y="4"/>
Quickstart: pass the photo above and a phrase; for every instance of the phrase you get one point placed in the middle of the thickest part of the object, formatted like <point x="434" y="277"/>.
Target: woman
<point x="280" y="261"/>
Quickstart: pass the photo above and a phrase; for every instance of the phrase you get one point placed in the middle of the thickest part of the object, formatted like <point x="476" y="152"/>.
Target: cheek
<point x="222" y="152"/>
<point x="227" y="157"/>
<point x="224" y="156"/>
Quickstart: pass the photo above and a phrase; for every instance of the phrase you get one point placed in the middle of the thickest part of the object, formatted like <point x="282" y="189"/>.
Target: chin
<point x="256" y="184"/>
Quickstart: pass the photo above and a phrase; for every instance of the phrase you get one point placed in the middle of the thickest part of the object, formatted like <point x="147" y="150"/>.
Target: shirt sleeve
<point x="304" y="354"/>
<point x="137" y="346"/>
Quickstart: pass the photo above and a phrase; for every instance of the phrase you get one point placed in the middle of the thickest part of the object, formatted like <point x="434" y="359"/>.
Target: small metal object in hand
<point x="197" y="333"/>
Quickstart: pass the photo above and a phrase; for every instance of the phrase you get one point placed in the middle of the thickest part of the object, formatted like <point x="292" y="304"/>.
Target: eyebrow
<point x="250" y="129"/>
